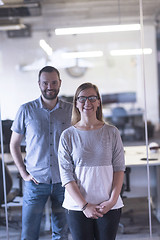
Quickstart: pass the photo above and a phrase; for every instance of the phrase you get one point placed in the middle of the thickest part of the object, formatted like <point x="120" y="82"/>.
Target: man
<point x="41" y="122"/>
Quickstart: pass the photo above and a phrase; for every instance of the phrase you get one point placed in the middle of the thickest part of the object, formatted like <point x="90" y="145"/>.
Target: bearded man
<point x="41" y="123"/>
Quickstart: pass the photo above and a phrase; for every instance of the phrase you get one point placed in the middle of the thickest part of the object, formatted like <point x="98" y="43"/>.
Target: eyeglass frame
<point x="96" y="97"/>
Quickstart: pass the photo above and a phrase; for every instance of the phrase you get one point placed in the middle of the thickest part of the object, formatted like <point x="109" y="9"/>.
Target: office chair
<point x="6" y="129"/>
<point x="126" y="188"/>
<point x="8" y="182"/>
<point x="10" y="191"/>
<point x="119" y="115"/>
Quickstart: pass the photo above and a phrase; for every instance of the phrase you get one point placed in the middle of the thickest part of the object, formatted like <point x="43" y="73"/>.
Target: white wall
<point x="110" y="74"/>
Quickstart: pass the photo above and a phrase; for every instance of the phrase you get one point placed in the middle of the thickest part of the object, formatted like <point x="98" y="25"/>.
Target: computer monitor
<point x="125" y="97"/>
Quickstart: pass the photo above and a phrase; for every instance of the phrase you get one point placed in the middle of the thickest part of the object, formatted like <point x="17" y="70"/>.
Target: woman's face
<point x="88" y="106"/>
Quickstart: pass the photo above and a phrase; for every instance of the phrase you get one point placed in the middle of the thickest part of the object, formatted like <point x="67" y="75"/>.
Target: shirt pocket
<point x="34" y="127"/>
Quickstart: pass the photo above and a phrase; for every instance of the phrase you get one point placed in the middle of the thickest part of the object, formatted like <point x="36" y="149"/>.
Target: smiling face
<point x="49" y="84"/>
<point x="88" y="107"/>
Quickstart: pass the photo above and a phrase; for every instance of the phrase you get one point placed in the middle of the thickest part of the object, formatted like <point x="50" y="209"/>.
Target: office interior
<point x="129" y="86"/>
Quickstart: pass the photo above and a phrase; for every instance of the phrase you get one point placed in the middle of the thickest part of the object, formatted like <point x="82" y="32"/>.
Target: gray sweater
<point x="90" y="158"/>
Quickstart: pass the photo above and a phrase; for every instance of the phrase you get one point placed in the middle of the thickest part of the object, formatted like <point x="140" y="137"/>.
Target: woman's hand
<point x="92" y="211"/>
<point x="104" y="207"/>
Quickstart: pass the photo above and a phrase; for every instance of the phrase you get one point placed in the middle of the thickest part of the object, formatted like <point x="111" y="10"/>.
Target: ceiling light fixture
<point x="127" y="52"/>
<point x="45" y="46"/>
<point x="11" y="24"/>
<point x="97" y="29"/>
<point x="1" y="2"/>
<point x="14" y="26"/>
<point x="82" y="54"/>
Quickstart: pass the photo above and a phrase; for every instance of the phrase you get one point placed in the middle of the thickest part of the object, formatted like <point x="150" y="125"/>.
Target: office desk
<point x="134" y="154"/>
<point x="138" y="175"/>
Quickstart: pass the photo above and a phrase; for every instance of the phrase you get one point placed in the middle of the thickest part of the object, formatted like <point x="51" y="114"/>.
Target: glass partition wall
<point x="128" y="84"/>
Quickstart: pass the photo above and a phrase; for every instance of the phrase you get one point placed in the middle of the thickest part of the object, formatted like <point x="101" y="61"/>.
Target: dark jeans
<point x="104" y="228"/>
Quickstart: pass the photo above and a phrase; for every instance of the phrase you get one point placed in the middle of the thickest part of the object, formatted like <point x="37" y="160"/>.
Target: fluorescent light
<point x="8" y="27"/>
<point x="45" y="46"/>
<point x="82" y="54"/>
<point x="97" y="29"/>
<point x="1" y="2"/>
<point x="125" y="52"/>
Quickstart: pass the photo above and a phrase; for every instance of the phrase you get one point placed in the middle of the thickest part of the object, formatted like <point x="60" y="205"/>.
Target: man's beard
<point x="52" y="96"/>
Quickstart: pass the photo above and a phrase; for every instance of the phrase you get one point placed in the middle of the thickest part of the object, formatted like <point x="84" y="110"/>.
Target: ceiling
<point x="46" y="15"/>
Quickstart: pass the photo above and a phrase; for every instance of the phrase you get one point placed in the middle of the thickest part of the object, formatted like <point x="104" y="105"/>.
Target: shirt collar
<point x="58" y="105"/>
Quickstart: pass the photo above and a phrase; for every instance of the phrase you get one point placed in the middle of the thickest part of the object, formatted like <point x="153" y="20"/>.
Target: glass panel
<point x="120" y="81"/>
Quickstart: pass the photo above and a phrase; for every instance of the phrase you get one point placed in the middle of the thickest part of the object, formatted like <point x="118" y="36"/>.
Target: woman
<point x="91" y="161"/>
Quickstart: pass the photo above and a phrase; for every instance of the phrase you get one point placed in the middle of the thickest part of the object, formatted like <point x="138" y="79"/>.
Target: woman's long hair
<point x="76" y="117"/>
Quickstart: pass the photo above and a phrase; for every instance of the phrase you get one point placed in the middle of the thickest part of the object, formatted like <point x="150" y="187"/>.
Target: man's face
<point x="49" y="84"/>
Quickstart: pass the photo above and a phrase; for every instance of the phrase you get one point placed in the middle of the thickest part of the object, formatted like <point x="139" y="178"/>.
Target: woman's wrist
<point x="84" y="207"/>
<point x="109" y="203"/>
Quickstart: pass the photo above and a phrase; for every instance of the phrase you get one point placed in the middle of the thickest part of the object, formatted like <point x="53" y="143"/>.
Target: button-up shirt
<point x="42" y="129"/>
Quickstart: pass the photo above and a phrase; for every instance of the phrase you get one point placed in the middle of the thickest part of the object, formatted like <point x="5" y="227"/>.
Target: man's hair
<point x="76" y="117"/>
<point x="48" y="69"/>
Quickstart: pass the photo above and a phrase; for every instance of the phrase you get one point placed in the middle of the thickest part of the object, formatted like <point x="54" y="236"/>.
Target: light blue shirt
<point x="42" y="129"/>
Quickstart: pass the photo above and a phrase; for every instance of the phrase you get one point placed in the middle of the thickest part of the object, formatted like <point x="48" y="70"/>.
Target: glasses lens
<point x="92" y="98"/>
<point x="82" y="99"/>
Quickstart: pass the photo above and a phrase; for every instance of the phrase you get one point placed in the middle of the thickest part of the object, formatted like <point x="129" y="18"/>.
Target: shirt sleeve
<point x="118" y="152"/>
<point x="18" y="125"/>
<point x="66" y="165"/>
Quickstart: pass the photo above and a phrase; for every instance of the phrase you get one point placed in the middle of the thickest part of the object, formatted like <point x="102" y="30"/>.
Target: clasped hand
<point x="95" y="211"/>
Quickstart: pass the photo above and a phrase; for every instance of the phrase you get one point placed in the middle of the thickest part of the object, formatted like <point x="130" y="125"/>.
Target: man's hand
<point x="27" y="177"/>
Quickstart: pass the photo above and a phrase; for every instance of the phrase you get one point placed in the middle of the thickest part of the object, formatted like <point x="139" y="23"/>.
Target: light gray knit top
<point x="90" y="158"/>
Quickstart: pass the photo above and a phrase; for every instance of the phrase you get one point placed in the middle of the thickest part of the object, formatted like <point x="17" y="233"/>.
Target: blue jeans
<point x="34" y="199"/>
<point x="83" y="228"/>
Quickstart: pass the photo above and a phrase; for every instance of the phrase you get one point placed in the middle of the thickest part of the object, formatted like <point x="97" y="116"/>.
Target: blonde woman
<point x="91" y="161"/>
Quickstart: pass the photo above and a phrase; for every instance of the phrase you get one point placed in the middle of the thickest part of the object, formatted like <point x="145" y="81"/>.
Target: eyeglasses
<point x="82" y="99"/>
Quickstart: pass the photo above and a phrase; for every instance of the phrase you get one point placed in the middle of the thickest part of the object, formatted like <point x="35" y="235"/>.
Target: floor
<point x="133" y="225"/>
